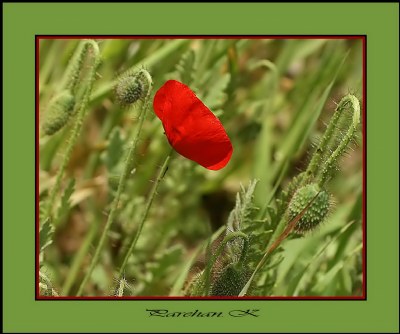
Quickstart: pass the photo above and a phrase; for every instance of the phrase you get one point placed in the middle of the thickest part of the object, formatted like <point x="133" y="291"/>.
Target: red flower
<point x="191" y="128"/>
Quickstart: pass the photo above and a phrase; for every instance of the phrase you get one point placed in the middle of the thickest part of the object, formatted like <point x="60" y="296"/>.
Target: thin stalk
<point x="121" y="186"/>
<point x="78" y="259"/>
<point x="328" y="149"/>
<point x="154" y="58"/>
<point x="76" y="129"/>
<point x="325" y="172"/>
<point x="145" y="213"/>
<point x="88" y="173"/>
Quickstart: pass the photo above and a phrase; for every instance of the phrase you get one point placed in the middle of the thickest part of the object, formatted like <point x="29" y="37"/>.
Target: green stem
<point x="151" y="60"/>
<point x="322" y="147"/>
<point x="121" y="186"/>
<point x="78" y="259"/>
<point x="76" y="129"/>
<point x="327" y="152"/>
<point x="72" y="72"/>
<point x="144" y="215"/>
<point x="88" y="173"/>
<point x="333" y="157"/>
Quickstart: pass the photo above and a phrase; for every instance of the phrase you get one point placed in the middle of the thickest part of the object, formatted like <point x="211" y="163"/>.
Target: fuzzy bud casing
<point x="132" y="87"/>
<point x="317" y="211"/>
<point x="58" y="112"/>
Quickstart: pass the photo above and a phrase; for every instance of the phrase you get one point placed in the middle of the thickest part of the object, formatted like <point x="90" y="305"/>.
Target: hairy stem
<point x="82" y="109"/>
<point x="121" y="186"/>
<point x="329" y="150"/>
<point x="144" y="215"/>
<point x="326" y="171"/>
<point x="154" y="58"/>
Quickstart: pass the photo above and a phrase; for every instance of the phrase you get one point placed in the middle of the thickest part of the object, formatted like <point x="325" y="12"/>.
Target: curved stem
<point x="121" y="186"/>
<point x="329" y="150"/>
<point x="334" y="156"/>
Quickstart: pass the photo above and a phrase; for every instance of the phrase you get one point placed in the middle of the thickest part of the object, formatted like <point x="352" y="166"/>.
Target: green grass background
<point x="379" y="312"/>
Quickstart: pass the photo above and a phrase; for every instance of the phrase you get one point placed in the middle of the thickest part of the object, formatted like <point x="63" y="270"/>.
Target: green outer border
<point x="378" y="21"/>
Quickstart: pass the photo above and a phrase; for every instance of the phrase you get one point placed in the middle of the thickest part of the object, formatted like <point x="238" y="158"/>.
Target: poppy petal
<point x="191" y="128"/>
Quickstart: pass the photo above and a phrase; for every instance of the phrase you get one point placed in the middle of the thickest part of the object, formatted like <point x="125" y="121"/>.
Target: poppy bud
<point x="58" y="112"/>
<point x="230" y="281"/>
<point x="132" y="87"/>
<point x="317" y="211"/>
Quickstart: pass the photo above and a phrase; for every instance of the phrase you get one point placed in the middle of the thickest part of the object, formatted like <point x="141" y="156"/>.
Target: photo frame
<point x="235" y="315"/>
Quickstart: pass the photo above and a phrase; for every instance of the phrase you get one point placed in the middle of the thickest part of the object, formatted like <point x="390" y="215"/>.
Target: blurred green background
<point x="267" y="94"/>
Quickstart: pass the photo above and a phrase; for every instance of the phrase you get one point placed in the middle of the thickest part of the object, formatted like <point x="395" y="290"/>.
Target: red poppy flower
<point x="191" y="128"/>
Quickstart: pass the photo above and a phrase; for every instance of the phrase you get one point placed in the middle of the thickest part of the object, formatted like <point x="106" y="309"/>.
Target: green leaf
<point x="165" y="261"/>
<point x="216" y="96"/>
<point x="179" y="282"/>
<point x="240" y="216"/>
<point x="330" y="278"/>
<point x="115" y="149"/>
<point x="45" y="234"/>
<point x="42" y="210"/>
<point x="186" y="68"/>
<point x="161" y="268"/>
<point x="65" y="205"/>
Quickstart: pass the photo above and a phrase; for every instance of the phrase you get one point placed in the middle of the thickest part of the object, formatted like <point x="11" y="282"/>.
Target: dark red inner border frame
<point x="364" y="162"/>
